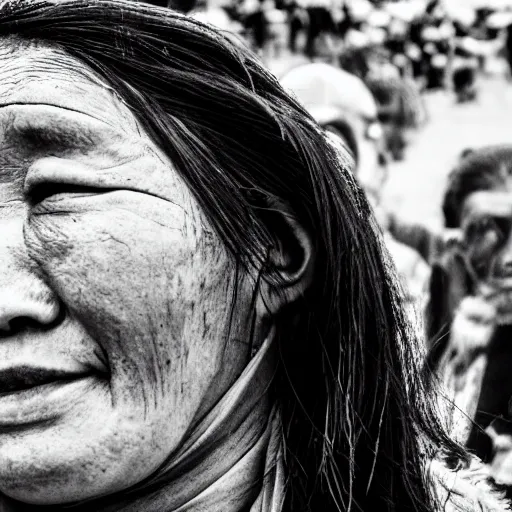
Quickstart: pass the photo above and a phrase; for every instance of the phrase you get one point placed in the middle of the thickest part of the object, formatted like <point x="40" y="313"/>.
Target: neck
<point x="230" y="461"/>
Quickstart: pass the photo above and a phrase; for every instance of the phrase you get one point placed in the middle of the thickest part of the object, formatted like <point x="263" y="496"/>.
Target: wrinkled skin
<point x="121" y="283"/>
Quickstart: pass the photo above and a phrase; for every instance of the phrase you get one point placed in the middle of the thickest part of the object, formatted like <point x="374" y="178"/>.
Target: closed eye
<point x="45" y="190"/>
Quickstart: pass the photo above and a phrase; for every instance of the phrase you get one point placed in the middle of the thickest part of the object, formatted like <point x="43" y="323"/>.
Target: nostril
<point x="17" y="325"/>
<point x="29" y="315"/>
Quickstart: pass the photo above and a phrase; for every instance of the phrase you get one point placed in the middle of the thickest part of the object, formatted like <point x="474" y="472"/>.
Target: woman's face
<point x="115" y="293"/>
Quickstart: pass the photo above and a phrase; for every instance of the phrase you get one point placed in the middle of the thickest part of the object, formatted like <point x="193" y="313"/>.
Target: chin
<point x="46" y="488"/>
<point x="36" y="469"/>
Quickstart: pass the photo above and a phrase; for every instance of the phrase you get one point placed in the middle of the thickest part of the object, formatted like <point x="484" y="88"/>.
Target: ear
<point x="290" y="263"/>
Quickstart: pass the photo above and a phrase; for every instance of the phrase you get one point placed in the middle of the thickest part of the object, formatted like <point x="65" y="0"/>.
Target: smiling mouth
<point x="503" y="303"/>
<point x="23" y="378"/>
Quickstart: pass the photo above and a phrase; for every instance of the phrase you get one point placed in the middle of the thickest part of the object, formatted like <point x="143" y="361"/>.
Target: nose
<point x="25" y="298"/>
<point x="24" y="306"/>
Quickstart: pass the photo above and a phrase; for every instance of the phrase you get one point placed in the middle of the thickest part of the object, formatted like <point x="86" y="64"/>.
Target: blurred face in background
<point x="487" y="234"/>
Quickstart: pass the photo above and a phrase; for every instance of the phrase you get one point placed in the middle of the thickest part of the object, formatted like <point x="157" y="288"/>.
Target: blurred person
<point x="397" y="44"/>
<point x="320" y="25"/>
<point x="470" y="293"/>
<point x="508" y="47"/>
<point x="297" y="22"/>
<point x="346" y="22"/>
<point x="401" y="109"/>
<point x="222" y="18"/>
<point x="429" y="243"/>
<point x="468" y="317"/>
<point x="184" y="6"/>
<point x="470" y="54"/>
<point x="182" y="245"/>
<point x="342" y="104"/>
<point x="482" y="32"/>
<point x="431" y="33"/>
<point x="256" y="23"/>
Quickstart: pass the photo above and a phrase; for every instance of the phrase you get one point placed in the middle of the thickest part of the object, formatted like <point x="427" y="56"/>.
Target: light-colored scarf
<point x="231" y="461"/>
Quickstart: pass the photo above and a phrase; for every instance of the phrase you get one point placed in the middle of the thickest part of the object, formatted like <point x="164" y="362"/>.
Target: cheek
<point x="150" y="285"/>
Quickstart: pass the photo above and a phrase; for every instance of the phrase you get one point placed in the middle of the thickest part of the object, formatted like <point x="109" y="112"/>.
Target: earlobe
<point x="290" y="264"/>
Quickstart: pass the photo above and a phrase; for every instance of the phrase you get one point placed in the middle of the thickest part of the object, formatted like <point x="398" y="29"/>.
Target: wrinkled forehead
<point x="35" y="74"/>
<point x="488" y="203"/>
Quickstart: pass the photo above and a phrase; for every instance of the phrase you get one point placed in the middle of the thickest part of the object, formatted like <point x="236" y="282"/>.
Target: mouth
<point x="23" y="378"/>
<point x="503" y="303"/>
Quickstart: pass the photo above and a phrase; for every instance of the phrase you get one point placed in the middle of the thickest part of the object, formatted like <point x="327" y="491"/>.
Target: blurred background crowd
<point x="418" y="37"/>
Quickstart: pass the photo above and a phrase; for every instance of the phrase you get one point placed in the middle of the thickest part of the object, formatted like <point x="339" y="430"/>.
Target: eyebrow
<point x="57" y="137"/>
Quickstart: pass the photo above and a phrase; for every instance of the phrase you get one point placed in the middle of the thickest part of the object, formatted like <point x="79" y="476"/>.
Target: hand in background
<point x="462" y="368"/>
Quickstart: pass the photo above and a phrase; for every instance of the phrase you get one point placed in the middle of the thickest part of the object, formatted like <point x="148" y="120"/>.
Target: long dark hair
<point x="357" y="423"/>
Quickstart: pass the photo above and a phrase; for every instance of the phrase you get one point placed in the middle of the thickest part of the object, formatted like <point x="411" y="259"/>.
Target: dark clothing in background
<point x="158" y="3"/>
<point x="184" y="6"/>
<point x="320" y="21"/>
<point x="346" y="23"/>
<point x="509" y="47"/>
<point x="297" y="23"/>
<point x="257" y="23"/>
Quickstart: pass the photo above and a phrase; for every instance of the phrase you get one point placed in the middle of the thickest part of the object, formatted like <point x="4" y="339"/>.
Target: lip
<point x="43" y="402"/>
<point x="502" y="300"/>
<point x="20" y="378"/>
